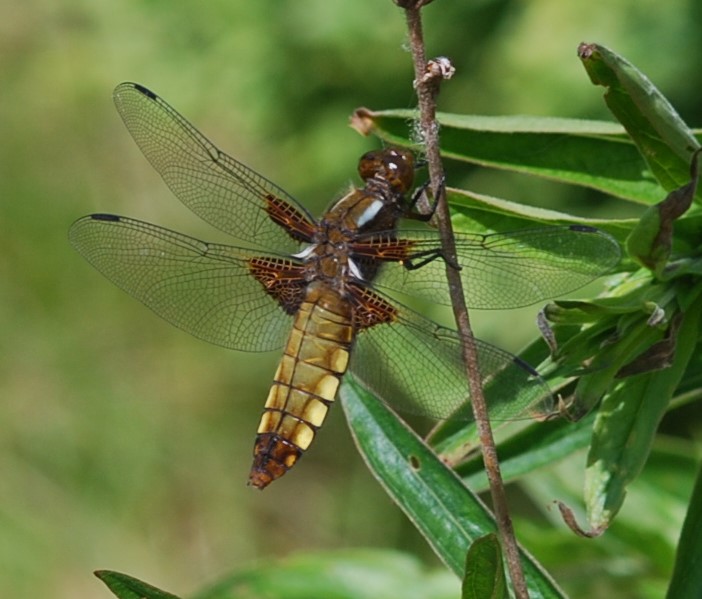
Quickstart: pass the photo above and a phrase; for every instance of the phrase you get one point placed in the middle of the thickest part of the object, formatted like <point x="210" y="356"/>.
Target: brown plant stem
<point x="427" y="81"/>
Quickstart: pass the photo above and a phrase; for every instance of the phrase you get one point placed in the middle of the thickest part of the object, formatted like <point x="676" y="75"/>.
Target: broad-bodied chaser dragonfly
<point x="317" y="288"/>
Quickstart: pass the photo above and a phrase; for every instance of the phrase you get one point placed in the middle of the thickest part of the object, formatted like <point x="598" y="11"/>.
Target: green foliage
<point x="626" y="353"/>
<point x="662" y="137"/>
<point x="449" y="516"/>
<point x="359" y="574"/>
<point x="594" y="154"/>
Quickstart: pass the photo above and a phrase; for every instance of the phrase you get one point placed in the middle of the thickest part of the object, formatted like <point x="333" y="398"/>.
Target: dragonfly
<point x="327" y="290"/>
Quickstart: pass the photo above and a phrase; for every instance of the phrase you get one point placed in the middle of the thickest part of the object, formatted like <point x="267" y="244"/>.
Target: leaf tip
<point x="363" y="121"/>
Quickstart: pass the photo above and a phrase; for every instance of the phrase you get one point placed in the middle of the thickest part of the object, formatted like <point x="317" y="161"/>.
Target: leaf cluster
<point x="618" y="362"/>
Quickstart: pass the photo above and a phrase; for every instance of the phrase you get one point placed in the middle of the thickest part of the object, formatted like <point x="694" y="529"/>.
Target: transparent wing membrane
<point x="505" y="270"/>
<point x="219" y="189"/>
<point x="203" y="288"/>
<point x="415" y="365"/>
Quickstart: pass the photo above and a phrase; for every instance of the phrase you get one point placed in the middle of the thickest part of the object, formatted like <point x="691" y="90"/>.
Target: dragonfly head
<point x="393" y="165"/>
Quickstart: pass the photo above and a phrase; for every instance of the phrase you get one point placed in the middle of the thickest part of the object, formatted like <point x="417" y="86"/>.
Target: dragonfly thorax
<point x="330" y="263"/>
<point x="374" y="208"/>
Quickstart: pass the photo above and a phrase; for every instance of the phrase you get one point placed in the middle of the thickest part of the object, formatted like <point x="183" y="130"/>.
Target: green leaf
<point x="662" y="137"/>
<point x="347" y="574"/>
<point x="592" y="154"/>
<point x="127" y="587"/>
<point x="609" y="361"/>
<point x="474" y="212"/>
<point x="536" y="446"/>
<point x="687" y="574"/>
<point x="626" y="425"/>
<point x="454" y="439"/>
<point x="485" y="573"/>
<point x="352" y="574"/>
<point x="444" y="511"/>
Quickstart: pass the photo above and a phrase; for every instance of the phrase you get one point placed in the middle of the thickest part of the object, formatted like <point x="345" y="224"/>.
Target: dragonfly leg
<point x="419" y="259"/>
<point x="419" y="193"/>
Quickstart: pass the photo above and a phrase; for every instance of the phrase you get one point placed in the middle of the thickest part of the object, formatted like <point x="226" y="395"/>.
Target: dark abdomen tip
<point x="273" y="457"/>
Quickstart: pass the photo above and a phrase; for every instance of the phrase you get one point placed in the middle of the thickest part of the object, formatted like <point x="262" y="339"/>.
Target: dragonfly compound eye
<point x="394" y="165"/>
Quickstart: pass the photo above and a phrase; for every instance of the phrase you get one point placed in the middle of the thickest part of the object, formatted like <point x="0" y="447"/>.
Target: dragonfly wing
<point x="502" y="270"/>
<point x="218" y="188"/>
<point x="203" y="288"/>
<point x="415" y="365"/>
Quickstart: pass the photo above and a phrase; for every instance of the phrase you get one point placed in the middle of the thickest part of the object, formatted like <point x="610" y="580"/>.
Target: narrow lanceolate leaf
<point x="445" y="512"/>
<point x="660" y="134"/>
<point x="523" y="451"/>
<point x="476" y="212"/>
<point x="127" y="587"/>
<point x="626" y="424"/>
<point x="485" y="573"/>
<point x="538" y="445"/>
<point x="593" y="154"/>
<point x="687" y="574"/>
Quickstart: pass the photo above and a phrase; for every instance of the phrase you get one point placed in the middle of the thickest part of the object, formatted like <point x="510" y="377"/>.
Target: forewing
<point x="202" y="288"/>
<point x="218" y="188"/>
<point x="503" y="270"/>
<point x="415" y="366"/>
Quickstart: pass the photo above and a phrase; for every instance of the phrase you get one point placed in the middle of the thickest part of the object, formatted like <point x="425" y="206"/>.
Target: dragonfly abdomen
<point x="305" y="384"/>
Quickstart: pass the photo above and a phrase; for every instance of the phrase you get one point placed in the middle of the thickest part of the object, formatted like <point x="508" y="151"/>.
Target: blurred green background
<point x="124" y="443"/>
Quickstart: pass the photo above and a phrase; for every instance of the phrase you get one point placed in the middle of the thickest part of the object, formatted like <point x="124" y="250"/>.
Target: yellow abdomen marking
<point x="305" y="383"/>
